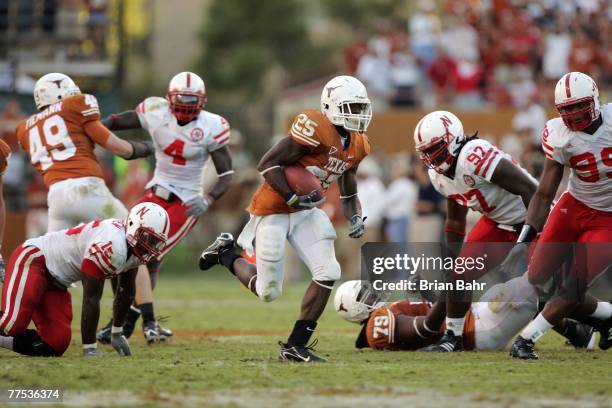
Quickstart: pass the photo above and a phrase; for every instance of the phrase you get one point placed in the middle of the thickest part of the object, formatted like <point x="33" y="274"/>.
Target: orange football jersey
<point x="5" y="152"/>
<point x="56" y="139"/>
<point x="327" y="158"/>
<point x="380" y="330"/>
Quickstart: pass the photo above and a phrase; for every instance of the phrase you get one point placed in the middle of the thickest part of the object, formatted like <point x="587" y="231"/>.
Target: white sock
<point x="455" y="325"/>
<point x="603" y="311"/>
<point x="6" y="342"/>
<point x="536" y="328"/>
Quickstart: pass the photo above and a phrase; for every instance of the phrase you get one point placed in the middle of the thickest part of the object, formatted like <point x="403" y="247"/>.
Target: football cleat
<point x="210" y="256"/>
<point x="523" y="349"/>
<point x="448" y="343"/>
<point x="104" y="335"/>
<point x="605" y="342"/>
<point x="164" y="332"/>
<point x="580" y="335"/>
<point x="299" y="354"/>
<point x="150" y="332"/>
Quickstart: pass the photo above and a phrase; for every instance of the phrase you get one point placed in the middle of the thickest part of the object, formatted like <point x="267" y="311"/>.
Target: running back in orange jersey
<point x="62" y="137"/>
<point x="327" y="158"/>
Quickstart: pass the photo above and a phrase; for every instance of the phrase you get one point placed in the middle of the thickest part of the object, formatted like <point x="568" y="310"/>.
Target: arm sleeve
<point x="97" y="132"/>
<point x="86" y="108"/>
<point x="304" y="131"/>
<point x="481" y="159"/>
<point x="220" y="134"/>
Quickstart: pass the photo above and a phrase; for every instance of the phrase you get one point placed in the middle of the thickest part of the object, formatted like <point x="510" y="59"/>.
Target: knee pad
<point x="328" y="271"/>
<point x="29" y="343"/>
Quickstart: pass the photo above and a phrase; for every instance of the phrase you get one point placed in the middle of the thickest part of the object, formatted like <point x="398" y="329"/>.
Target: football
<point x="302" y="181"/>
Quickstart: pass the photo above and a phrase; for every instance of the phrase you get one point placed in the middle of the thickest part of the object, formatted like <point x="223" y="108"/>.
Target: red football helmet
<point x="577" y="100"/>
<point x="187" y="96"/>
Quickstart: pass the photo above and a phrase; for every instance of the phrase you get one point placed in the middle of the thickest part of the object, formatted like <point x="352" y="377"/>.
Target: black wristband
<point x="140" y="149"/>
<point x="528" y="233"/>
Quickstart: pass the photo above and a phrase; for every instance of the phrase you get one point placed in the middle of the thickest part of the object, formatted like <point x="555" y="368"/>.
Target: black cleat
<point x="580" y="335"/>
<point x="150" y="332"/>
<point x="523" y="349"/>
<point x="164" y="332"/>
<point x="104" y="335"/>
<point x="210" y="256"/>
<point x="448" y="343"/>
<point x="300" y="354"/>
<point x="605" y="342"/>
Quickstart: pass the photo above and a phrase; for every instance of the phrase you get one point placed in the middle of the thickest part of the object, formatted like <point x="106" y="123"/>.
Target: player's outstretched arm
<point x="285" y="152"/>
<point x="351" y="207"/>
<point x="511" y="178"/>
<point x="539" y="207"/>
<point x="128" y="149"/>
<point x="122" y="121"/>
<point x="223" y="165"/>
<point x="92" y="293"/>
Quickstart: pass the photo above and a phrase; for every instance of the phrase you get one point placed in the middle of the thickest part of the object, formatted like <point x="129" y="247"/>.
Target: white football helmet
<point x="577" y="100"/>
<point x="345" y="102"/>
<point x="146" y="230"/>
<point x="53" y="87"/>
<point x="355" y="300"/>
<point x="438" y="138"/>
<point x="187" y="96"/>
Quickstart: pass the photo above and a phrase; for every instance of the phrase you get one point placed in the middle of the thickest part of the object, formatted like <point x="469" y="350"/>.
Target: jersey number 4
<point x="585" y="165"/>
<point x="175" y="150"/>
<point x="56" y="145"/>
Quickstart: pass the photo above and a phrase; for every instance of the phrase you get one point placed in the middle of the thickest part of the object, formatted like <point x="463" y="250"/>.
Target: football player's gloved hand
<point x="198" y="205"/>
<point x="1" y="269"/>
<point x="515" y="263"/>
<point x="92" y="352"/>
<point x="305" y="202"/>
<point x="120" y="344"/>
<point x="357" y="227"/>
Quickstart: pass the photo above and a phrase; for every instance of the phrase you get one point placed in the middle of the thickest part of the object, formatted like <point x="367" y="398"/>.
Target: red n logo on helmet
<point x="446" y="122"/>
<point x="142" y="212"/>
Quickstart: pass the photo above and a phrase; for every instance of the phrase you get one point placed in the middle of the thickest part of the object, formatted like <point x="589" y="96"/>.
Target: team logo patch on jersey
<point x="469" y="180"/>
<point x="197" y="134"/>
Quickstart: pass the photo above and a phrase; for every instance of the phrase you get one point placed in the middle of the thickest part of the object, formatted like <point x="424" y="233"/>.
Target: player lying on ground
<point x="473" y="174"/>
<point x="42" y="269"/>
<point x="184" y="136"/>
<point x="581" y="139"/>
<point x="330" y="143"/>
<point x="60" y="140"/>
<point x="490" y="323"/>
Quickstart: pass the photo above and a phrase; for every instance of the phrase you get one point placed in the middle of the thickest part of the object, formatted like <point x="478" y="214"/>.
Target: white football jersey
<point x="472" y="187"/>
<point x="103" y="242"/>
<point x="181" y="151"/>
<point x="589" y="158"/>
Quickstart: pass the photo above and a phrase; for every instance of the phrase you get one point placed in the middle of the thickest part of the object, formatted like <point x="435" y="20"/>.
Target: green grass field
<point x="225" y="353"/>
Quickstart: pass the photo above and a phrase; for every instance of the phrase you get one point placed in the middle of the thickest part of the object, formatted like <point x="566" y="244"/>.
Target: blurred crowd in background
<point x="460" y="55"/>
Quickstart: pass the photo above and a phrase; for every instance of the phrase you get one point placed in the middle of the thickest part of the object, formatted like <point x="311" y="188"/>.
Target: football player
<point x="473" y="174"/>
<point x="42" y="269"/>
<point x="490" y="323"/>
<point x="5" y="152"/>
<point x="330" y="143"/>
<point x="581" y="139"/>
<point x="184" y="136"/>
<point x="61" y="139"/>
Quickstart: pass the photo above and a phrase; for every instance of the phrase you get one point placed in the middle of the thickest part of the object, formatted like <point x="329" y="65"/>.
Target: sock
<point x="146" y="309"/>
<point x="132" y="316"/>
<point x="536" y="328"/>
<point x="455" y="325"/>
<point x="227" y="258"/>
<point x="302" y="330"/>
<point x="6" y="342"/>
<point x="603" y="311"/>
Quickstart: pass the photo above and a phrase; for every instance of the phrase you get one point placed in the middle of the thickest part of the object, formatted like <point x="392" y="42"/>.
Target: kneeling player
<point x="489" y="324"/>
<point x="42" y="269"/>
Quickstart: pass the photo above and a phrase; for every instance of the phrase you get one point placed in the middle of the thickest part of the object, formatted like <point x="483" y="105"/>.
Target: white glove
<point x="357" y="227"/>
<point x="198" y="205"/>
<point x="1" y="269"/>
